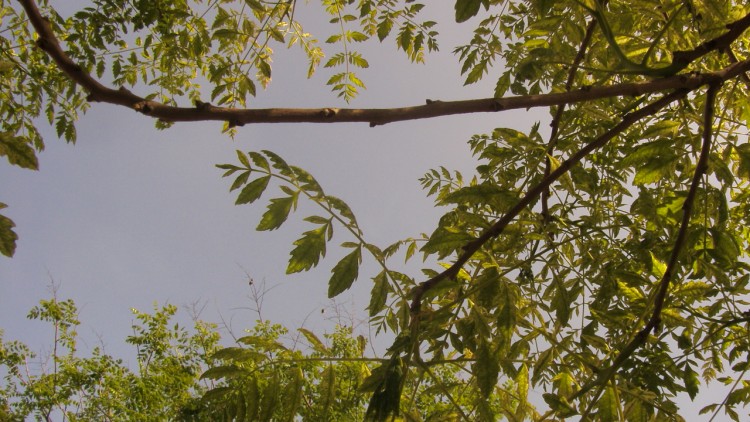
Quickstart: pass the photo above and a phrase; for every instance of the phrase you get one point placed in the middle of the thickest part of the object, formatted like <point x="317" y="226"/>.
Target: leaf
<point x="725" y="250"/>
<point x="559" y="405"/>
<point x="343" y="210"/>
<point x="607" y="406"/>
<point x="18" y="151"/>
<point x="691" y="380"/>
<point x="466" y="9"/>
<point x="444" y="242"/>
<point x="240" y="180"/>
<point x="243" y="159"/>
<point x="219" y="372"/>
<point x="277" y="213"/>
<point x="294" y="392"/>
<point x="344" y="273"/>
<point x="328" y="385"/>
<point x="503" y="83"/>
<point x="314" y="341"/>
<point x="259" y="161"/>
<point x="269" y="400"/>
<point x="486" y="368"/>
<point x="309" y="248"/>
<point x="252" y="191"/>
<point x="8" y="237"/>
<point x="279" y="163"/>
<point x="379" y="293"/>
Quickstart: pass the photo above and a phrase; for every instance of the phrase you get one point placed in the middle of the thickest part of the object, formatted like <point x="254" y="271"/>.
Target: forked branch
<point x="530" y="196"/>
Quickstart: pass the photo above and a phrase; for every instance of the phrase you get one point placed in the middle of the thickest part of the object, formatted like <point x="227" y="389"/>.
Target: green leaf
<point x="219" y="372"/>
<point x="344" y="273"/>
<point x="8" y="237"/>
<point x="344" y="210"/>
<point x="279" y="163"/>
<point x="466" y="9"/>
<point x="743" y="167"/>
<point x="444" y="242"/>
<point x="259" y="161"/>
<point x="294" y="392"/>
<point x="314" y="341"/>
<point x="559" y="405"/>
<point x="379" y="293"/>
<point x="691" y="380"/>
<point x="725" y="250"/>
<point x="328" y="385"/>
<point x="486" y="368"/>
<point x="607" y="406"/>
<point x="252" y="191"/>
<point x="243" y="159"/>
<point x="503" y="83"/>
<point x="19" y="152"/>
<point x="277" y="213"/>
<point x="240" y="180"/>
<point x="308" y="251"/>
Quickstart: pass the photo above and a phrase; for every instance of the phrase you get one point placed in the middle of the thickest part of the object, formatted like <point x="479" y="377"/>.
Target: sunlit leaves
<point x="18" y="151"/>
<point x="344" y="273"/>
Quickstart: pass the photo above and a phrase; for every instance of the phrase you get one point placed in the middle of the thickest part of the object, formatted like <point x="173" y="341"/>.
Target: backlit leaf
<point x="344" y="273"/>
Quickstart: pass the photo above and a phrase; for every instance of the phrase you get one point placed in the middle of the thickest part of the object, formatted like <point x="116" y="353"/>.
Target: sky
<point x="131" y="216"/>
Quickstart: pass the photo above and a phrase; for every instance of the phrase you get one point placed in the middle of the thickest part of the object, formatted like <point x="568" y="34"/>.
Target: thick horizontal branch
<point x="374" y="116"/>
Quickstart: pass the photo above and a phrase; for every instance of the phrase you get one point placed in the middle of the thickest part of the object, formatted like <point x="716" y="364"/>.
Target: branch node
<point x="202" y="106"/>
<point x="373" y="124"/>
<point x="43" y="43"/>
<point x="430" y="102"/>
<point x="496" y="106"/>
<point x="234" y="123"/>
<point x="329" y="112"/>
<point x="142" y="107"/>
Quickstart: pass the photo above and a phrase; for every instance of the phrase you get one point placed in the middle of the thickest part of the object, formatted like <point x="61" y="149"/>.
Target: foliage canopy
<point x="604" y="264"/>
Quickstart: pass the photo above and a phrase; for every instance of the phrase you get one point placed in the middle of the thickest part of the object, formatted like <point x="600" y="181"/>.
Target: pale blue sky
<point x="131" y="215"/>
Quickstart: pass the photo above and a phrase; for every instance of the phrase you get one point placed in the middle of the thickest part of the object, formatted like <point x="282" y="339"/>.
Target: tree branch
<point x="237" y="117"/>
<point x="497" y="228"/>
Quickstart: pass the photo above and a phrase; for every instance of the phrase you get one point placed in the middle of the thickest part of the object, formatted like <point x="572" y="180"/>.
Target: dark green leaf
<point x="277" y="213"/>
<point x="466" y="9"/>
<point x="308" y="251"/>
<point x="253" y="190"/>
<point x="486" y="368"/>
<point x="379" y="293"/>
<point x="19" y="152"/>
<point x="344" y="273"/>
<point x="8" y="237"/>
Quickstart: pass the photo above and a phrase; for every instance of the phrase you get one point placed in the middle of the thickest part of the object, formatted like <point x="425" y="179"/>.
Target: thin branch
<point x="237" y="117"/>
